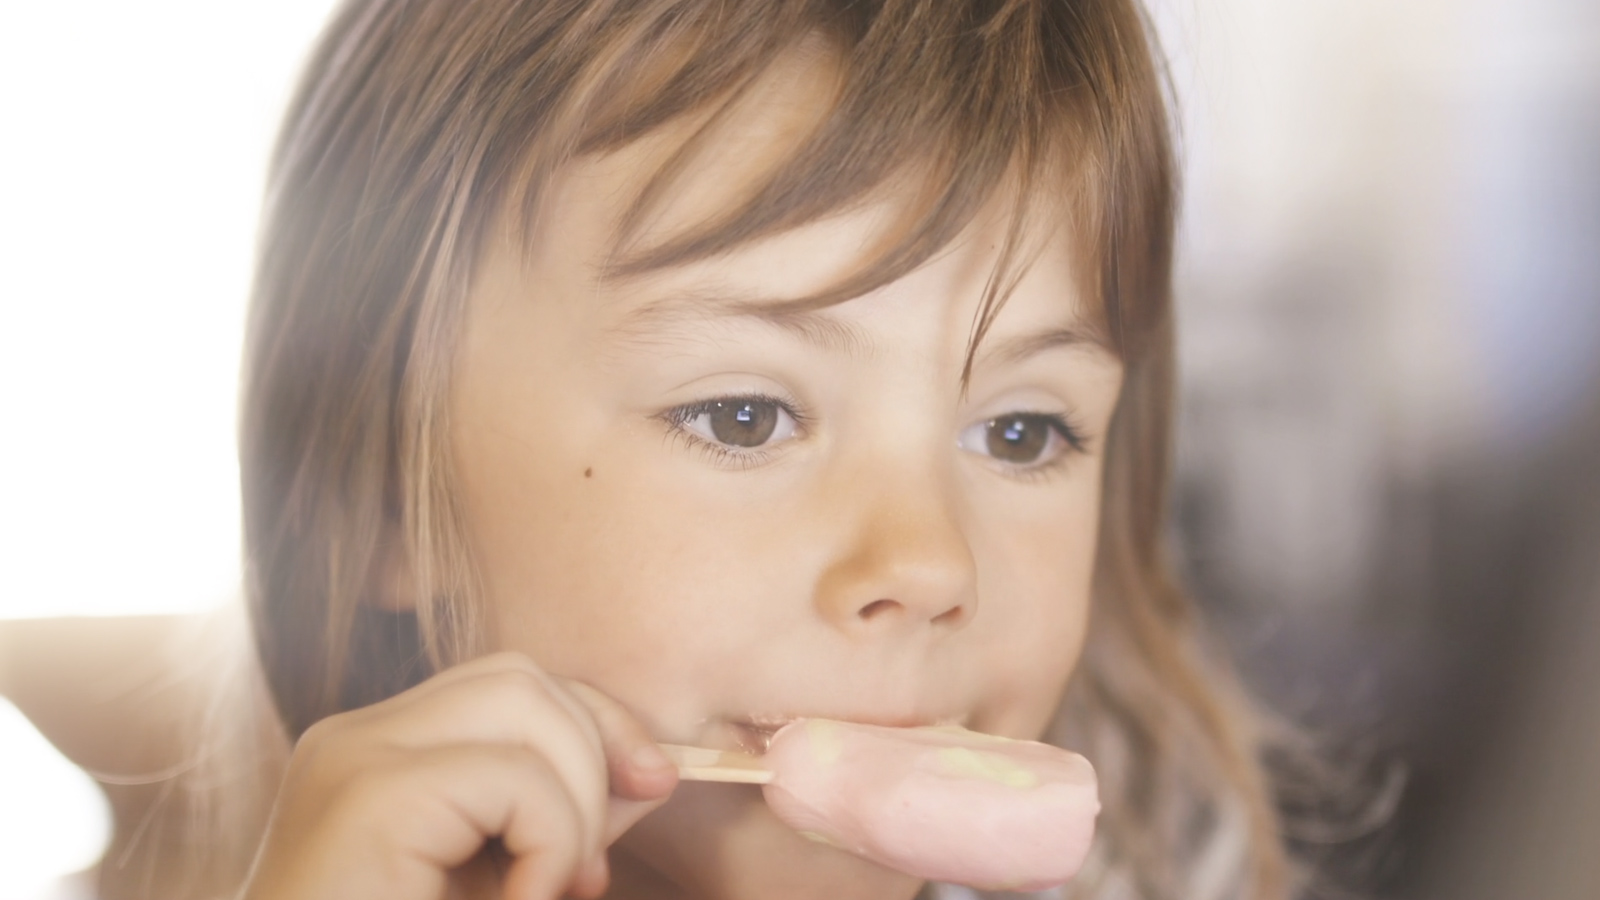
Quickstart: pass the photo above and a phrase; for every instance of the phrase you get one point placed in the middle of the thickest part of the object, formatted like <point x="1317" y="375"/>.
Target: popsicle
<point x="944" y="804"/>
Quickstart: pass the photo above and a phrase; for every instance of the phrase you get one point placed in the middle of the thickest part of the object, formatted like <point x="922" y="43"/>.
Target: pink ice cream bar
<point x="945" y="804"/>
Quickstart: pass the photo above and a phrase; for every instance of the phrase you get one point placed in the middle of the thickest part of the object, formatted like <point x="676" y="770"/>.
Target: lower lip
<point x="754" y="738"/>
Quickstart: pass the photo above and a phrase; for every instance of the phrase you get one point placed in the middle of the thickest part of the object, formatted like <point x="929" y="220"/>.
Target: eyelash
<point x="679" y="416"/>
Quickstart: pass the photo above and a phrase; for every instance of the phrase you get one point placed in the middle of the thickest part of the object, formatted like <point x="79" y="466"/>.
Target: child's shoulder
<point x="125" y="699"/>
<point x="109" y="693"/>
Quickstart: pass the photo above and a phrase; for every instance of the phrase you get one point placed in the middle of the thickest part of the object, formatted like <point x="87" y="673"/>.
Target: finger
<point x="519" y="705"/>
<point x="592" y="879"/>
<point x="442" y="693"/>
<point x="637" y="768"/>
<point x="525" y="879"/>
<point x="433" y="810"/>
<point x="513" y="669"/>
<point x="495" y="666"/>
<point x="444" y="679"/>
<point x="622" y="814"/>
<point x="505" y="700"/>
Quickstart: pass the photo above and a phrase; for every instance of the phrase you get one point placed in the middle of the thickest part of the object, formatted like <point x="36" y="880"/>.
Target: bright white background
<point x="136" y="135"/>
<point x="135" y="140"/>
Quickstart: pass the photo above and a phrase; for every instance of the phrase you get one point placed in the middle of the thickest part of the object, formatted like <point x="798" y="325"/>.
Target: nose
<point x="906" y="564"/>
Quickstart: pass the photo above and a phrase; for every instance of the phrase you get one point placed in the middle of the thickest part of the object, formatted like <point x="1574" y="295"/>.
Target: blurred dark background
<point x="1389" y="492"/>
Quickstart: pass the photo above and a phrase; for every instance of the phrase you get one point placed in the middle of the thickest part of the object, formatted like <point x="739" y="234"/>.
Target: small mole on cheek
<point x="588" y="473"/>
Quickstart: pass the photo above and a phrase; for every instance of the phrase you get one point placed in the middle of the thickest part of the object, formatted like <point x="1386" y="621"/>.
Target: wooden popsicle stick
<point x="701" y="764"/>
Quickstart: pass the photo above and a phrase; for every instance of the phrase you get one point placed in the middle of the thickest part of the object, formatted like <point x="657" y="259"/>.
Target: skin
<point x="873" y="561"/>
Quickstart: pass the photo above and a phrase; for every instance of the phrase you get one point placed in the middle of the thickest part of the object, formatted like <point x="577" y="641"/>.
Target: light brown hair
<point x="418" y="118"/>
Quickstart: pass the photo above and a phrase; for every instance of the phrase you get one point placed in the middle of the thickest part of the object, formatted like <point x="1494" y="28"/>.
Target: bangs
<point x="939" y="107"/>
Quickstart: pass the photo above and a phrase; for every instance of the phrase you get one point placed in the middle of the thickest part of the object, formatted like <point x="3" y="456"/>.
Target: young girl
<point x="664" y="370"/>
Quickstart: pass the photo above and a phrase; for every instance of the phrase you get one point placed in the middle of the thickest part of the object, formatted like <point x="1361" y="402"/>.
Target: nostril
<point x="876" y="608"/>
<point x="951" y="616"/>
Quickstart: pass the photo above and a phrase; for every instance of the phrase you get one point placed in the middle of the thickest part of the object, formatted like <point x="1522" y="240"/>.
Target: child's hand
<point x="384" y="802"/>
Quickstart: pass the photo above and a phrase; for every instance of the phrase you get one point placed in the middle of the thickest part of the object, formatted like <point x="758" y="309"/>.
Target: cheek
<point x="628" y="577"/>
<point x="1036" y="568"/>
<point x="657" y="579"/>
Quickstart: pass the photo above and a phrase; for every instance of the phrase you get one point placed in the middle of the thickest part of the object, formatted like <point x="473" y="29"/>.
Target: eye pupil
<point x="1017" y="439"/>
<point x="743" y="423"/>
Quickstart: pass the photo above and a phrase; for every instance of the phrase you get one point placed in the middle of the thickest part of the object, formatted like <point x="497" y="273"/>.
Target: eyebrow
<point x="1016" y="349"/>
<point x="818" y="329"/>
<point x="696" y="306"/>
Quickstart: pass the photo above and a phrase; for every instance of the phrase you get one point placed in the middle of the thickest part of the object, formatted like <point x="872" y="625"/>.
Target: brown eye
<point x="1019" y="439"/>
<point x="741" y="422"/>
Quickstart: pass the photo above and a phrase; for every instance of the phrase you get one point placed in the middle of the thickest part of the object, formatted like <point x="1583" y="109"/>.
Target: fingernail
<point x="649" y="757"/>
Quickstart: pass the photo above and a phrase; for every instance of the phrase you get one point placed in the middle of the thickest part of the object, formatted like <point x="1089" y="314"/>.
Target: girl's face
<point x="726" y="517"/>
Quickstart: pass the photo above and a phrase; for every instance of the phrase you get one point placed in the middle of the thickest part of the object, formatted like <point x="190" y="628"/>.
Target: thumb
<point x="637" y="768"/>
<point x="622" y="814"/>
<point x="642" y="777"/>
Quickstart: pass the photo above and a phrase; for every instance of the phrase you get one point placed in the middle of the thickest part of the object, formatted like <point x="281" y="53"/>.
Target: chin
<point x="720" y="842"/>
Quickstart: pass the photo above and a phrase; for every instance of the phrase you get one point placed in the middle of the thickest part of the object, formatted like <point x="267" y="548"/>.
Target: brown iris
<point x="742" y="423"/>
<point x="1018" y="438"/>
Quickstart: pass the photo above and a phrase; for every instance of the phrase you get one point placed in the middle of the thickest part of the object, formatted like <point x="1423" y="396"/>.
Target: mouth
<point x="753" y="734"/>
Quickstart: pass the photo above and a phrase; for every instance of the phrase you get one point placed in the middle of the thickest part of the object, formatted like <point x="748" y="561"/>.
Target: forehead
<point x="600" y="210"/>
<point x="690" y="172"/>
